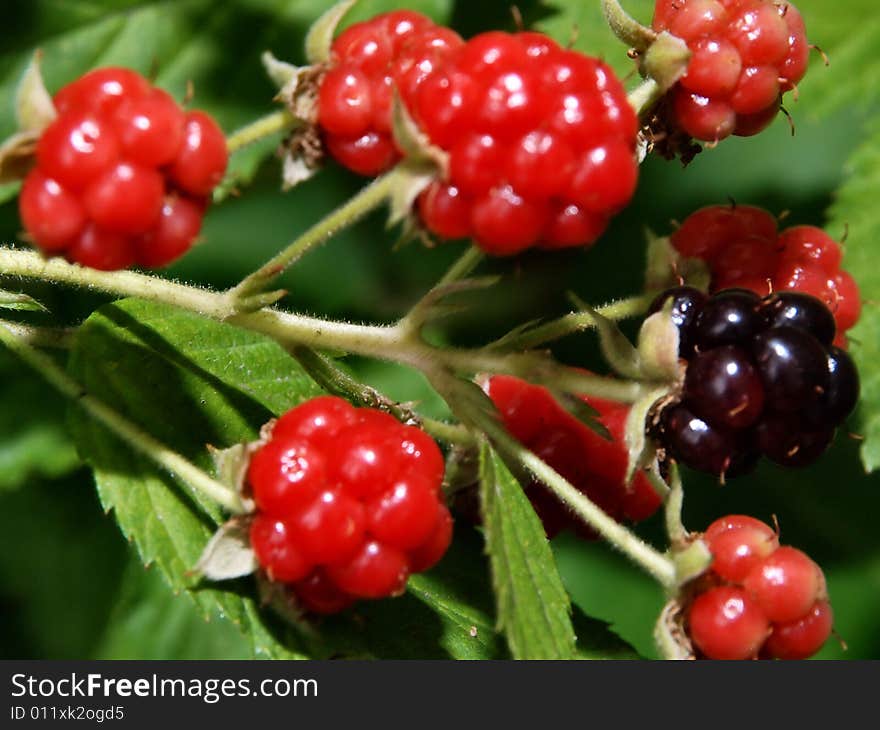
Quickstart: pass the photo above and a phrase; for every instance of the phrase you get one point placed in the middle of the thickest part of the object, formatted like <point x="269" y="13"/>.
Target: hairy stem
<point x="643" y="98"/>
<point x="625" y="27"/>
<point x="280" y="121"/>
<point x="133" y="435"/>
<point x="382" y="342"/>
<point x="369" y="198"/>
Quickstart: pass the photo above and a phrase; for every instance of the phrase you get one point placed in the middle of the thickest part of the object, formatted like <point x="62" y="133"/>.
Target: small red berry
<point x="53" y="216"/>
<point x="76" y="148"/>
<point x="318" y="594"/>
<point x="286" y="475"/>
<point x="330" y="529"/>
<point x="725" y="623"/>
<point x="150" y="128"/>
<point x="785" y="584"/>
<point x="102" y="90"/>
<point x="430" y="552"/>
<point x="376" y="571"/>
<point x="736" y="551"/>
<point x="802" y="638"/>
<point x="126" y="199"/>
<point x="201" y="161"/>
<point x="177" y="229"/>
<point x="102" y="250"/>
<point x="404" y="516"/>
<point x="277" y="550"/>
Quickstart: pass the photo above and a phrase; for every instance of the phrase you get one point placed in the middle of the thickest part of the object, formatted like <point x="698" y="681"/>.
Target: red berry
<point x="277" y="550"/>
<point x="541" y="165"/>
<point x="150" y="128"/>
<point x="605" y="179"/>
<point x="369" y="154"/>
<point x="785" y="584"/>
<point x="725" y="623"/>
<point x="744" y="54"/>
<point x="847" y="304"/>
<point x="367" y="461"/>
<point x="737" y="550"/>
<point x="810" y="245"/>
<point x="201" y="162"/>
<point x="803" y="637"/>
<point x="430" y="552"/>
<point x="286" y="475"/>
<point x="53" y="216"/>
<point x="318" y="594"/>
<point x="445" y="210"/>
<point x="419" y="452"/>
<point x="102" y="250"/>
<point x="102" y="90"/>
<point x="506" y="223"/>
<point x="76" y="148"/>
<point x="177" y="229"/>
<point x="345" y="102"/>
<point x="317" y="421"/>
<point x="125" y="199"/>
<point x="404" y="516"/>
<point x="375" y="571"/>
<point x="475" y="163"/>
<point x="330" y="529"/>
<point x="570" y="225"/>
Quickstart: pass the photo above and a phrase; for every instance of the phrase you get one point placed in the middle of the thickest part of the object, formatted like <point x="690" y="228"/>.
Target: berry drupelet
<point x="762" y="377"/>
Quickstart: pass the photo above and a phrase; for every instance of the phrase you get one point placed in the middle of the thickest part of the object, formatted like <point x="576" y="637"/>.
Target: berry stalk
<point x="368" y="199"/>
<point x="134" y="436"/>
<point x="627" y="28"/>
<point x="56" y="338"/>
<point x="280" y="121"/>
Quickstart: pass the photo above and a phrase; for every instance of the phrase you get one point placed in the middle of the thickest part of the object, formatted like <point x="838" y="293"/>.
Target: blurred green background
<point x="70" y="585"/>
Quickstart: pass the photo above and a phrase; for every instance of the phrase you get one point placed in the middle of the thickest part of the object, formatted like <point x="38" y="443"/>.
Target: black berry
<point x="729" y="318"/>
<point x="803" y="311"/>
<point x="841" y="393"/>
<point x="783" y="440"/>
<point x="724" y="388"/>
<point x="793" y="366"/>
<point x="686" y="305"/>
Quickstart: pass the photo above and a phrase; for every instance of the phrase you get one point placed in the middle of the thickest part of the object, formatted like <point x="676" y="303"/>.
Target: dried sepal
<point x="319" y="39"/>
<point x="228" y="554"/>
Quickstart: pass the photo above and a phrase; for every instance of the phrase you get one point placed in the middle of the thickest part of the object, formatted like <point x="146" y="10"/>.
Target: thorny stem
<point x="279" y="121"/>
<point x="645" y="556"/>
<point x="390" y="343"/>
<point x="369" y="198"/>
<point x="58" y="338"/>
<point x="133" y="435"/>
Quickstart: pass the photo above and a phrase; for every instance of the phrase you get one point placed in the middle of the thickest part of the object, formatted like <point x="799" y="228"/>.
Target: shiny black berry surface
<point x="762" y="378"/>
<point x="686" y="305"/>
<point x="728" y="318"/>
<point x="795" y="309"/>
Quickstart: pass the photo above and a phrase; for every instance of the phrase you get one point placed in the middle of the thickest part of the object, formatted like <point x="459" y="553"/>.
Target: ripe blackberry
<point x="757" y="599"/>
<point x="743" y="249"/>
<point x="745" y="54"/>
<point x="122" y="174"/>
<point x="761" y="378"/>
<point x="593" y="464"/>
<point x="348" y="504"/>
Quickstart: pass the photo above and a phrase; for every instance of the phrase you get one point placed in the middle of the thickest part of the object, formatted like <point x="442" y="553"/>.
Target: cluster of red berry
<point x="122" y="175"/>
<point x="348" y="504"/>
<point x="593" y="464"/>
<point x="758" y="600"/>
<point x="744" y="55"/>
<point x="744" y="249"/>
<point x="762" y="378"/>
<point x="541" y="140"/>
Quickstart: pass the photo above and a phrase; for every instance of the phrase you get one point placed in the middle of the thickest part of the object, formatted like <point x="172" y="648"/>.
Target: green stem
<point x="369" y="198"/>
<point x="645" y="556"/>
<point x="627" y="28"/>
<point x="643" y="98"/>
<point x="388" y="343"/>
<point x="463" y="266"/>
<point x="51" y="337"/>
<point x="575" y="322"/>
<point x="134" y="436"/>
<point x="675" y="528"/>
<point x="280" y="121"/>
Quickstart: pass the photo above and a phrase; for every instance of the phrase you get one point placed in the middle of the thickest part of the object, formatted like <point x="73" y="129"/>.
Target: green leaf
<point x="855" y="210"/>
<point x="190" y="381"/>
<point x="33" y="440"/>
<point x="533" y="607"/>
